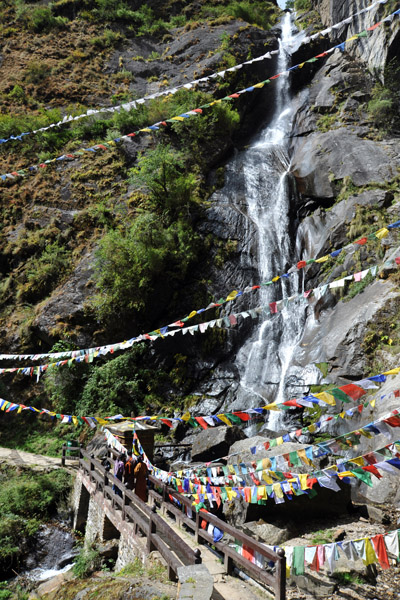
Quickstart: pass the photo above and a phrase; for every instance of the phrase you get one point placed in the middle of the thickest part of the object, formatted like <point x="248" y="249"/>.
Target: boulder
<point x="272" y="534"/>
<point x="215" y="443"/>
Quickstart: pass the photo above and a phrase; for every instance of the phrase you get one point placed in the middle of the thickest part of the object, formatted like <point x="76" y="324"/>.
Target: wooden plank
<point x="166" y="553"/>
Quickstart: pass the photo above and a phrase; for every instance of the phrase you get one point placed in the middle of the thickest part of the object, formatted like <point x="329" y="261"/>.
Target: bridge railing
<point x="274" y="577"/>
<point x="160" y="536"/>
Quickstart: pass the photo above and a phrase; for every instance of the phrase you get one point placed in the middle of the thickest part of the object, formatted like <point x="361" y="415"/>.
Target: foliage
<point x="44" y="272"/>
<point x="357" y="287"/>
<point x="39" y="19"/>
<point x="384" y="106"/>
<point x="24" y="499"/>
<point x="87" y="561"/>
<point x="263" y="14"/>
<point x="302" y="5"/>
<point x="133" y="264"/>
<point x="35" y="495"/>
<point x="162" y="172"/>
<point x="322" y="537"/>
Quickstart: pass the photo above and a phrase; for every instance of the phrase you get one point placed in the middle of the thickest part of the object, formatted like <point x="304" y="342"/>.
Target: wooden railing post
<point x="63" y="455"/>
<point x="280" y="574"/>
<point x="196" y="531"/>
<point x="152" y="529"/>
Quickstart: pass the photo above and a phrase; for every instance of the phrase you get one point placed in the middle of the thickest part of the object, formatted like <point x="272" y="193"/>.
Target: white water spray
<point x="265" y="360"/>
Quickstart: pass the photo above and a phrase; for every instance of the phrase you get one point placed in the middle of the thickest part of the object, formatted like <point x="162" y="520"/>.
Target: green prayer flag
<point x="339" y="395"/>
<point x="363" y="475"/>
<point x="294" y="459"/>
<point x="298" y="560"/>
<point x="234" y="418"/>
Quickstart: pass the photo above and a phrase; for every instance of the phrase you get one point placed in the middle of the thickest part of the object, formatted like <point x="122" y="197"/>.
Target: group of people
<point x="133" y="472"/>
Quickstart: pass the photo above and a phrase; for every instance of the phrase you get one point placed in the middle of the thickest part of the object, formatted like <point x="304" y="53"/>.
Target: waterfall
<point x="262" y="173"/>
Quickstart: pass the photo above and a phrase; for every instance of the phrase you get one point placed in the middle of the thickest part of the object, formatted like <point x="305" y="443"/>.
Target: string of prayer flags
<point x="133" y="104"/>
<point x="106" y="145"/>
<point x="345" y="393"/>
<point x="305" y="455"/>
<point x="279" y="485"/>
<point x="161" y="333"/>
<point x="101" y="350"/>
<point x="381" y="548"/>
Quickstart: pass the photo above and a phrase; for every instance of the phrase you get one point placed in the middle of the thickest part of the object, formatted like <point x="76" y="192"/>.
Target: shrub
<point x="161" y="172"/>
<point x="131" y="264"/>
<point x="87" y="561"/>
<point x="33" y="496"/>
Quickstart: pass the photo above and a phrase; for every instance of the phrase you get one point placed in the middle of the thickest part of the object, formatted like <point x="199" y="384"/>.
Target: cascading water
<point x="262" y="171"/>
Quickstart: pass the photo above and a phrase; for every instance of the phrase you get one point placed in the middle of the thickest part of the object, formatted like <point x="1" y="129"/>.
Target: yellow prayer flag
<point x="259" y="85"/>
<point x="266" y="463"/>
<point x="302" y="455"/>
<point x="322" y="259"/>
<point x="272" y="406"/>
<point x="381" y="233"/>
<point x="301" y="65"/>
<point x="354" y="37"/>
<point x="279" y="441"/>
<point x="173" y="119"/>
<point x="186" y="416"/>
<point x="277" y="490"/>
<point x="326" y="397"/>
<point x="392" y="371"/>
<point x="370" y="556"/>
<point x="266" y="478"/>
<point x="225" y="420"/>
<point x="358" y="461"/>
<point x="262" y="493"/>
<point x="276" y="278"/>
<point x="192" y="314"/>
<point x="373" y="402"/>
<point x="303" y="480"/>
<point x="312" y="428"/>
<point x="75" y="421"/>
<point x="232" y="295"/>
<point x="345" y="474"/>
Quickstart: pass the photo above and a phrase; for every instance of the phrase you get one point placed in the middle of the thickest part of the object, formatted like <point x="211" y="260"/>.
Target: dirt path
<point x="37" y="462"/>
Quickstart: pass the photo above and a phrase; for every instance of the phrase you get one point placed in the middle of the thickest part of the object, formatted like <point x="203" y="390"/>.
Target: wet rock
<point x="214" y="443"/>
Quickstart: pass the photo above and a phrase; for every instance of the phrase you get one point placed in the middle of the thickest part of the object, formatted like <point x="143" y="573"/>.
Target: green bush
<point x="161" y="172"/>
<point x="87" y="561"/>
<point x="35" y="495"/>
<point x="263" y="14"/>
<point x="384" y="106"/>
<point x="131" y="264"/>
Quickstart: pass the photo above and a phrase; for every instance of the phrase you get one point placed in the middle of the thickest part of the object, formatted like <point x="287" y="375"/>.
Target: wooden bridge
<point x="166" y="523"/>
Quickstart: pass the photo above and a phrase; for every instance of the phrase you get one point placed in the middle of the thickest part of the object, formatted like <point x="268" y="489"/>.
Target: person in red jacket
<point x="129" y="473"/>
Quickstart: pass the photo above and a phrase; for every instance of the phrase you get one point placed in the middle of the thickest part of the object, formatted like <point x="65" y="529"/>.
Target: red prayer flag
<point x="242" y="415"/>
<point x="273" y="308"/>
<point x="361" y="241"/>
<point x="167" y="422"/>
<point x="380" y="549"/>
<point x="352" y="390"/>
<point x="397" y="259"/>
<point x="201" y="422"/>
<point x="301" y="264"/>
<point x="248" y="553"/>
<point x="396" y="393"/>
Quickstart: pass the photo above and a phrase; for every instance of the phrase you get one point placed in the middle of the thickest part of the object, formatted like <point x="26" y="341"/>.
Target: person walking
<point x="129" y="472"/>
<point x="141" y="475"/>
<point x="119" y="468"/>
